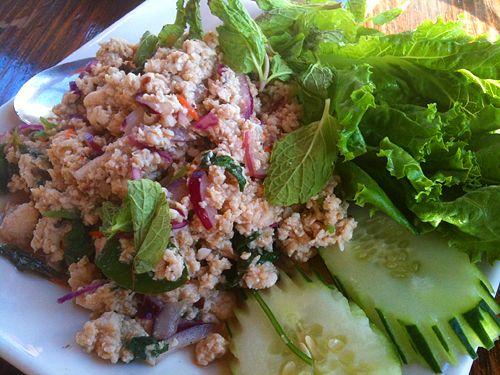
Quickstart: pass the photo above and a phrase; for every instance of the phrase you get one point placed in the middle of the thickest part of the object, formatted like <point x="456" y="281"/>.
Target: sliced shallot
<point x="246" y="102"/>
<point x="132" y="120"/>
<point x="207" y="121"/>
<point x="79" y="292"/>
<point x="198" y="183"/>
<point x="249" y="160"/>
<point x="166" y="321"/>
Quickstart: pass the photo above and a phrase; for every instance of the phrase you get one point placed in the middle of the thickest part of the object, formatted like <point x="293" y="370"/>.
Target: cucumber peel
<point x="319" y="321"/>
<point x="430" y="300"/>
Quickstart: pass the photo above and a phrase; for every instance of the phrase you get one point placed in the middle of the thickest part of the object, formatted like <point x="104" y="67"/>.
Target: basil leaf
<point x="209" y="158"/>
<point x="123" y="273"/>
<point x="302" y="162"/>
<point x="24" y="261"/>
<point x="146" y="50"/>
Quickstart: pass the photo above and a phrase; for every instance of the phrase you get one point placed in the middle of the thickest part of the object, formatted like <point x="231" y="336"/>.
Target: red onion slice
<point x="249" y="161"/>
<point x="165" y="325"/>
<point x="136" y="173"/>
<point x="180" y="134"/>
<point x="79" y="292"/>
<point x="274" y="225"/>
<point x="96" y="149"/>
<point x="74" y="88"/>
<point x="153" y="107"/>
<point x="25" y="126"/>
<point x="246" y="102"/>
<point x="149" y="308"/>
<point x="221" y="68"/>
<point x="132" y="120"/>
<point x="197" y="185"/>
<point x="177" y="225"/>
<point x="178" y="189"/>
<point x="165" y="156"/>
<point x="88" y="67"/>
<point x="207" y="121"/>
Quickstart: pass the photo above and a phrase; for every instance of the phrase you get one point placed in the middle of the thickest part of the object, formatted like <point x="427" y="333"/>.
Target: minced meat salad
<point x="147" y="190"/>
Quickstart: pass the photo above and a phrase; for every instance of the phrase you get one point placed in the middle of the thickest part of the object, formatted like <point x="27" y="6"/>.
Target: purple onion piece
<point x="74" y="88"/>
<point x="178" y="189"/>
<point x="246" y="102"/>
<point x="188" y="324"/>
<point x="198" y="183"/>
<point x="177" y="225"/>
<point x="128" y="235"/>
<point x="166" y="321"/>
<point x="221" y="68"/>
<point x="132" y="120"/>
<point x="180" y="134"/>
<point x="165" y="156"/>
<point x="278" y="105"/>
<point x="79" y="292"/>
<point x="207" y="121"/>
<point x="25" y="126"/>
<point x="79" y="116"/>
<point x="136" y="173"/>
<point x="151" y="106"/>
<point x="249" y="159"/>
<point x="274" y="225"/>
<point x="150" y="307"/>
<point x="88" y="67"/>
<point x="96" y="149"/>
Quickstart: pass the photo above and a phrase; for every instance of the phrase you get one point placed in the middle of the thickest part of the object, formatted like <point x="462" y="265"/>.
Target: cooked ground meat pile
<point x="116" y="125"/>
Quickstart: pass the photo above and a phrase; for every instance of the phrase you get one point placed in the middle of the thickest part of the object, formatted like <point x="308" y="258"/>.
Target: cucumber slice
<point x="320" y="321"/>
<point x="432" y="302"/>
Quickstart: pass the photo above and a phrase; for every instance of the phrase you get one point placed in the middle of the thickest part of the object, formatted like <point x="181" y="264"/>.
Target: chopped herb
<point x="209" y="158"/>
<point x="331" y="229"/>
<point x="139" y="345"/>
<point x="180" y="174"/>
<point x="24" y="261"/>
<point x="47" y="124"/>
<point x="40" y="134"/>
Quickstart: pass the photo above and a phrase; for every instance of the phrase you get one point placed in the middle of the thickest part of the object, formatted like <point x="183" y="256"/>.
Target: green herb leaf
<point x="193" y="19"/>
<point x="169" y="35"/>
<point x="146" y="50"/>
<point x="123" y="273"/>
<point x="180" y="174"/>
<point x="62" y="215"/>
<point x="240" y="38"/>
<point x="156" y="241"/>
<point x="144" y="197"/>
<point x="317" y="79"/>
<point x="107" y="212"/>
<point x="302" y="162"/>
<point x="78" y="242"/>
<point x="46" y="123"/>
<point x="122" y="221"/>
<point x="139" y="346"/>
<point x="389" y="15"/>
<point x="24" y="261"/>
<point x="209" y="158"/>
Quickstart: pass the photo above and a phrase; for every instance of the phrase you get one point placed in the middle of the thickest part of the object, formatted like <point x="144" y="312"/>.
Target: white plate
<point x="37" y="334"/>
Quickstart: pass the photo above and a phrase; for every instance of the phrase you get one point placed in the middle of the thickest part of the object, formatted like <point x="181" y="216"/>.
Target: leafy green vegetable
<point x="302" y="162"/>
<point x="239" y="268"/>
<point x="146" y="50"/>
<point x="156" y="241"/>
<point x="46" y="123"/>
<point x="193" y="19"/>
<point x="24" y="261"/>
<point x="209" y="158"/>
<point x="107" y="212"/>
<point x="139" y="346"/>
<point x="78" y="242"/>
<point x="390" y="15"/>
<point x="172" y="32"/>
<point x="123" y="274"/>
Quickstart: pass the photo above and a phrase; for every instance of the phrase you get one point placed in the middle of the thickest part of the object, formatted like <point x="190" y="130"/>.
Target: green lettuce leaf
<point x="486" y="149"/>
<point x="170" y="33"/>
<point x="302" y="162"/>
<point x="193" y="19"/>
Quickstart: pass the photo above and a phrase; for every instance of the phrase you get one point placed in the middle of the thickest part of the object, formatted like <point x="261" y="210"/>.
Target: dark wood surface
<point x="36" y="34"/>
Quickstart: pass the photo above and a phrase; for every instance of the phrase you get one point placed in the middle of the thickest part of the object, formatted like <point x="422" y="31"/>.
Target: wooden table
<point x="36" y="34"/>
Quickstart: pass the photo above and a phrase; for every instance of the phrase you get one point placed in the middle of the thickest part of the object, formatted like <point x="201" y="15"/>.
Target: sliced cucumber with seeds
<point x="432" y="302"/>
<point x="320" y="322"/>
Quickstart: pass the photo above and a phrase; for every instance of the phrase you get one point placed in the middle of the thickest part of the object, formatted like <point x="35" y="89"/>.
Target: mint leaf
<point x="240" y="38"/>
<point x="156" y="241"/>
<point x="317" y="79"/>
<point x="122" y="221"/>
<point x="302" y="162"/>
<point x="61" y="214"/>
<point x="78" y="242"/>
<point x="107" y="212"/>
<point x="209" y="158"/>
<point x="145" y="198"/>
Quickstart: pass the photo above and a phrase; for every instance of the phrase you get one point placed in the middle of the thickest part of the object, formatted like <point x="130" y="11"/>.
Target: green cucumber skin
<point x="311" y="305"/>
<point x="444" y="293"/>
